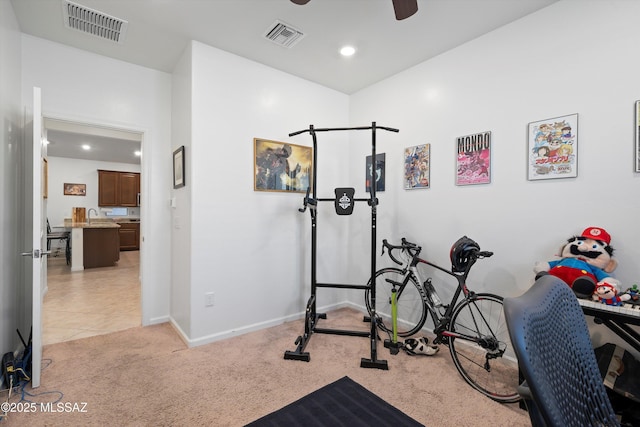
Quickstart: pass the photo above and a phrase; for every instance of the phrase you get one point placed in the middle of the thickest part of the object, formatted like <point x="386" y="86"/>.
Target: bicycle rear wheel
<point x="412" y="312"/>
<point x="485" y="357"/>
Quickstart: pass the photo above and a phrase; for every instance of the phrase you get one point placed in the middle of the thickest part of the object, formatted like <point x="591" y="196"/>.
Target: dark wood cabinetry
<point x="129" y="236"/>
<point x="129" y="188"/>
<point x="108" y="188"/>
<point x="101" y="247"/>
<point x="118" y="188"/>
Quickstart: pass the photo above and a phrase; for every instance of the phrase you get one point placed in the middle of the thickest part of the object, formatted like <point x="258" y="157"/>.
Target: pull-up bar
<point x="312" y="129"/>
<point x="343" y="202"/>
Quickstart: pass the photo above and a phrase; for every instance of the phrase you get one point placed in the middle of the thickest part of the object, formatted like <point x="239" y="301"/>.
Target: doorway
<point x="95" y="301"/>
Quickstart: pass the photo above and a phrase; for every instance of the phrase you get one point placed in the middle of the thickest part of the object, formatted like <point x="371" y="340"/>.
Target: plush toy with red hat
<point x="607" y="293"/>
<point x="585" y="261"/>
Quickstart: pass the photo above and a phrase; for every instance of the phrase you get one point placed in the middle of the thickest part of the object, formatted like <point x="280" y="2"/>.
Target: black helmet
<point x="461" y="252"/>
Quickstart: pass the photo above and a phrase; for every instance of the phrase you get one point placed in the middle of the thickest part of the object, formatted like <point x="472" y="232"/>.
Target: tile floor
<point x="91" y="302"/>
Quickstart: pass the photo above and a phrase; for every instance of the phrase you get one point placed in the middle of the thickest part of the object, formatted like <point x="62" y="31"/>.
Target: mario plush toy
<point x="607" y="293"/>
<point x="586" y="260"/>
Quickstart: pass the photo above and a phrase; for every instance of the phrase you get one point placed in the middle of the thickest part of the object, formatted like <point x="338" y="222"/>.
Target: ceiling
<point x="159" y="30"/>
<point x="66" y="139"/>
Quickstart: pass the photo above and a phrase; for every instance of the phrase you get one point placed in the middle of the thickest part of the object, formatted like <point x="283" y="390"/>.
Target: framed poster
<point x="178" y="168"/>
<point x="378" y="173"/>
<point x="416" y="167"/>
<point x="75" y="189"/>
<point x="553" y="148"/>
<point x="473" y="160"/>
<point x="637" y="128"/>
<point x="280" y="166"/>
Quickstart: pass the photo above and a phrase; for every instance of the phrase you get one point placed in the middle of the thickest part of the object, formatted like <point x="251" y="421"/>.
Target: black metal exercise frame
<point x="311" y="316"/>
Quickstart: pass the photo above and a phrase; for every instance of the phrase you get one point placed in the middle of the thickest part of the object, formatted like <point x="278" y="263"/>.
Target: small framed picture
<point x="473" y="160"/>
<point x="637" y="129"/>
<point x="280" y="166"/>
<point x="178" y="168"/>
<point x="553" y="148"/>
<point x="417" y="165"/>
<point x="75" y="189"/>
<point x="375" y="174"/>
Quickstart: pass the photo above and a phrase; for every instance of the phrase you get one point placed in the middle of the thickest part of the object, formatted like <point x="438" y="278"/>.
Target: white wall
<point x="10" y="158"/>
<point x="252" y="248"/>
<point x="181" y="212"/>
<point x="124" y="96"/>
<point x="63" y="170"/>
<point x="568" y="58"/>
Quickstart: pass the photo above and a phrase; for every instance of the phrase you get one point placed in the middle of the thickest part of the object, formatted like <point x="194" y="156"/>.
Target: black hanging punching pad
<point x="344" y="200"/>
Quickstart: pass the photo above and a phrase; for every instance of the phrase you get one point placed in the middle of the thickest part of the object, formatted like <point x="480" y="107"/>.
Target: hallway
<point x="91" y="302"/>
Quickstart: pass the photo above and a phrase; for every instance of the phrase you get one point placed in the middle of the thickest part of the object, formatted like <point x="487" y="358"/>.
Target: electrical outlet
<point x="209" y="300"/>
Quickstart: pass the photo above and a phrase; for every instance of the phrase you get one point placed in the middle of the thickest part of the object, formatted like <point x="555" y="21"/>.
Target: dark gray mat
<point x="342" y="403"/>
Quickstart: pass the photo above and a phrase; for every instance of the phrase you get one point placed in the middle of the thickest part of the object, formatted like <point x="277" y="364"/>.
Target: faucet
<point x="89" y="214"/>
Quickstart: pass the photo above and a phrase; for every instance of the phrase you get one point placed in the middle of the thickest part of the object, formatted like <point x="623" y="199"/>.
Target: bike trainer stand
<point x="343" y="202"/>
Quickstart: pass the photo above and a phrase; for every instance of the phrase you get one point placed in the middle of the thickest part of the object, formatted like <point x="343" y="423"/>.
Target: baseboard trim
<point x="157" y="320"/>
<point x="195" y="342"/>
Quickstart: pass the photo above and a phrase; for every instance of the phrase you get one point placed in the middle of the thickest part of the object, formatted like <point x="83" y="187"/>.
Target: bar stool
<point x="61" y="236"/>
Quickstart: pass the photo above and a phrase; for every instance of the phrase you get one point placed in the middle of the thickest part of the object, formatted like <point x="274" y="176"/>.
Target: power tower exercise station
<point x="343" y="202"/>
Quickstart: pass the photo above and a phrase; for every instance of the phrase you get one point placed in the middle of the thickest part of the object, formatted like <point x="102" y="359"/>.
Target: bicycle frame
<point x="432" y="299"/>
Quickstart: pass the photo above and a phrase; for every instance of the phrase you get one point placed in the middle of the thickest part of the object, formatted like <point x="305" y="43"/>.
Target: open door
<point x="35" y="213"/>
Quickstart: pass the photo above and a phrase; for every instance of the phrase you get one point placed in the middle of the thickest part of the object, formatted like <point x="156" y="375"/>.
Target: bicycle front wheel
<point x="481" y="349"/>
<point x="411" y="310"/>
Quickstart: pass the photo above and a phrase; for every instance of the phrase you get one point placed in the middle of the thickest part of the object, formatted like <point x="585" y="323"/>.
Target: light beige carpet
<point x="148" y="377"/>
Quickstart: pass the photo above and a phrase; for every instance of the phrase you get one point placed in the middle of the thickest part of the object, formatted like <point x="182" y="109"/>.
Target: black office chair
<point x="562" y="386"/>
<point x="63" y="236"/>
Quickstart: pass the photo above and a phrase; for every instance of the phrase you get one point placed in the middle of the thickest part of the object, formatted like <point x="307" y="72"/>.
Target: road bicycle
<point x="472" y="324"/>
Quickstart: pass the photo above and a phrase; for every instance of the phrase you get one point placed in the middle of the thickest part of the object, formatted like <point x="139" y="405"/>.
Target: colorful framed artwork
<point x="637" y="129"/>
<point x="178" y="168"/>
<point x="280" y="166"/>
<point x="75" y="189"/>
<point x="553" y="148"/>
<point x="473" y="159"/>
<point x="417" y="165"/>
<point x="379" y="173"/>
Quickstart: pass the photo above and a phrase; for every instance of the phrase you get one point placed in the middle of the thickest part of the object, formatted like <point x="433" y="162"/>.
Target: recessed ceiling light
<point x="347" y="51"/>
<point x="86" y="147"/>
<point x="137" y="153"/>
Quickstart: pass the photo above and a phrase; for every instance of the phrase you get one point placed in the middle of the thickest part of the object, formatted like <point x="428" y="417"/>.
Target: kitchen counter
<point x="93" y="224"/>
<point x="87" y="256"/>
<point x="101" y="222"/>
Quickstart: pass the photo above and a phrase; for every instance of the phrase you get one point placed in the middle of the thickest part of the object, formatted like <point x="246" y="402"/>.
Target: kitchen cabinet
<point x="101" y="247"/>
<point x="129" y="188"/>
<point x="129" y="236"/>
<point x="118" y="188"/>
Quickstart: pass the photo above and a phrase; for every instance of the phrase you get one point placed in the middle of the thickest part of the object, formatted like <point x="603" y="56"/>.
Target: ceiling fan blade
<point x="402" y="8"/>
<point x="300" y="2"/>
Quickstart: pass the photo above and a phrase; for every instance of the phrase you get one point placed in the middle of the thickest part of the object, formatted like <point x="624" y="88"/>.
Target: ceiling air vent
<point x="283" y="34"/>
<point x="96" y="23"/>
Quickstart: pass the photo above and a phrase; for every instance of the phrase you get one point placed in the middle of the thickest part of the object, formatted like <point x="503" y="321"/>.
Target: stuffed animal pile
<point x="586" y="263"/>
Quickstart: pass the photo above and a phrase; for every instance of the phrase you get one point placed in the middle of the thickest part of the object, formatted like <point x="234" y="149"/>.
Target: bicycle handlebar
<point x="412" y="248"/>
